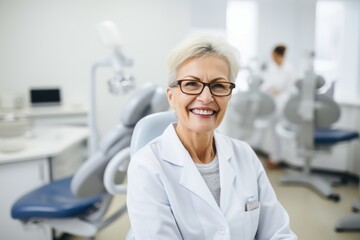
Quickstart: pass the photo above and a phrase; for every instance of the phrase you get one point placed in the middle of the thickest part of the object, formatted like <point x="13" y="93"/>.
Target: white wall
<point x="54" y="43"/>
<point x="207" y="14"/>
<point x="349" y="60"/>
<point x="290" y="22"/>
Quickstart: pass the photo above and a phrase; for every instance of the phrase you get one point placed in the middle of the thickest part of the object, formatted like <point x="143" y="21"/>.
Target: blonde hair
<point x="203" y="45"/>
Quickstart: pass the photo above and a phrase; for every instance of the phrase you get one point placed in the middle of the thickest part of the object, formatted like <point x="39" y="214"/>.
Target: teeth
<point x="203" y="112"/>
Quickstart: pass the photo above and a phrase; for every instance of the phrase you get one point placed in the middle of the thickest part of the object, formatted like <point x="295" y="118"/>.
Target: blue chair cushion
<point x="53" y="200"/>
<point x="332" y="136"/>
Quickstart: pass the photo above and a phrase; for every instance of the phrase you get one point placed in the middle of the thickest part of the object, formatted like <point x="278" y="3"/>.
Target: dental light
<point x="120" y="83"/>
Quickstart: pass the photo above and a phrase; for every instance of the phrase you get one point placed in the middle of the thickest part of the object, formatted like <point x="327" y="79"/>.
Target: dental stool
<point x="311" y="116"/>
<point x="145" y="130"/>
<point x="76" y="205"/>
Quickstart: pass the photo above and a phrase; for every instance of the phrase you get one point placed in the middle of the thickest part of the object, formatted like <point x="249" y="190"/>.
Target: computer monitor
<point x="45" y="96"/>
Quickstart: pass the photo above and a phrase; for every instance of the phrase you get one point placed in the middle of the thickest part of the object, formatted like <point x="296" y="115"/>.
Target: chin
<point x="204" y="128"/>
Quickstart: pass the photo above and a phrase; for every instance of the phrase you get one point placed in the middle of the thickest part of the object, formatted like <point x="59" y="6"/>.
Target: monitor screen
<point x="48" y="96"/>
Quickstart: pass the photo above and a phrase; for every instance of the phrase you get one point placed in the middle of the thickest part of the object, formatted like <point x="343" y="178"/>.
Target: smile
<point x="203" y="112"/>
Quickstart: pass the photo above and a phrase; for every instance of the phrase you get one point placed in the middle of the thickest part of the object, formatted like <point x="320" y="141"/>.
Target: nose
<point x="206" y="96"/>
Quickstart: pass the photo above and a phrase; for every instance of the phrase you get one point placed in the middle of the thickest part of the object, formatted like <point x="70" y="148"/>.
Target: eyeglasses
<point x="194" y="87"/>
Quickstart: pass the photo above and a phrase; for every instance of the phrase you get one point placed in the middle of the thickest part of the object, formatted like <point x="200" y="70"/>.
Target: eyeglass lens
<point x="196" y="87"/>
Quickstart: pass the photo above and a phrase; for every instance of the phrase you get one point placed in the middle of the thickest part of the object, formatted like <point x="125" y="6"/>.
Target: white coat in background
<point x="168" y="199"/>
<point x="280" y="84"/>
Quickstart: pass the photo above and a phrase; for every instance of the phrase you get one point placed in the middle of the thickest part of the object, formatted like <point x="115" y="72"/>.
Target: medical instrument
<point x="120" y="83"/>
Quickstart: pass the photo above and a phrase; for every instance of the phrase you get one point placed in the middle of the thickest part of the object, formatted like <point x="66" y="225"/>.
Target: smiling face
<point x="204" y="112"/>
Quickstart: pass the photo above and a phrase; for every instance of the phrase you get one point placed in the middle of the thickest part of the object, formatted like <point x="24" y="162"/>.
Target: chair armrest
<point x="119" y="162"/>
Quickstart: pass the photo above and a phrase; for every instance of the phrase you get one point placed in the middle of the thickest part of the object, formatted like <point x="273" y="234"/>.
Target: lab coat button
<point x="221" y="230"/>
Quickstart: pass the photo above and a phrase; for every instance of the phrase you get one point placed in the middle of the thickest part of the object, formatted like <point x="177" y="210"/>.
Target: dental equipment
<point x="311" y="115"/>
<point x="248" y="106"/>
<point x="78" y="205"/>
<point x="121" y="83"/>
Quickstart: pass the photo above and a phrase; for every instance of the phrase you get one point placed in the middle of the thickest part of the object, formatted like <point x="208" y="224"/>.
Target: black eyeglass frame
<point x="178" y="83"/>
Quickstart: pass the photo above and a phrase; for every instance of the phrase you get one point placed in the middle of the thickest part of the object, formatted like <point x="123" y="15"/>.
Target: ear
<point x="170" y="97"/>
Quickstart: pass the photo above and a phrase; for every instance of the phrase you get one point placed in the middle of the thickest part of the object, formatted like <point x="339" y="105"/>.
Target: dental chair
<point x="311" y="116"/>
<point x="145" y="130"/>
<point x="246" y="108"/>
<point x="76" y="205"/>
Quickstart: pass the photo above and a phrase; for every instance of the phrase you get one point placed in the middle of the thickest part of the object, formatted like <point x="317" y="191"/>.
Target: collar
<point x="173" y="150"/>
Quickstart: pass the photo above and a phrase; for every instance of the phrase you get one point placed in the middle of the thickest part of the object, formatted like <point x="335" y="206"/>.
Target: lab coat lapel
<point x="193" y="181"/>
<point x="227" y="178"/>
<point x="174" y="152"/>
<point x="227" y="174"/>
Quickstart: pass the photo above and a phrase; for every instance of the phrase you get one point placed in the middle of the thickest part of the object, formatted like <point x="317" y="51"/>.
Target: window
<point x="329" y="38"/>
<point x="241" y="30"/>
<point x="337" y="46"/>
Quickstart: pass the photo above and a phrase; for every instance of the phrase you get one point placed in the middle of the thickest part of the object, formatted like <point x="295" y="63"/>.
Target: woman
<point x="192" y="182"/>
<point x="279" y="83"/>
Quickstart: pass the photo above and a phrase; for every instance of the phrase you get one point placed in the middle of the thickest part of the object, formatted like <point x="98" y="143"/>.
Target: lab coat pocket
<point x="251" y="223"/>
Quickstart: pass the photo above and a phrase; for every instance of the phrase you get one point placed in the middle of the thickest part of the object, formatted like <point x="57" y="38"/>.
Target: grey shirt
<point x="211" y="176"/>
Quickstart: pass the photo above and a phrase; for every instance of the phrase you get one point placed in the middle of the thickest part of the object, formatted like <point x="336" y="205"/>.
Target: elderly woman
<point x="192" y="182"/>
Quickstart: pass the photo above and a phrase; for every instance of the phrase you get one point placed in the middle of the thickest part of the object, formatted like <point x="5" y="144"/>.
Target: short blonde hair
<point x="200" y="45"/>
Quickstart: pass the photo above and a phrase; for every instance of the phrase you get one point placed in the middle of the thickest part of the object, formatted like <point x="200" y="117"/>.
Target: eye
<point x="219" y="86"/>
<point x="191" y="84"/>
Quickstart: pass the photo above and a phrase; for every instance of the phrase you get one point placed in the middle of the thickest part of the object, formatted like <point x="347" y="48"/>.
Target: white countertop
<point x="43" y="111"/>
<point x="46" y="142"/>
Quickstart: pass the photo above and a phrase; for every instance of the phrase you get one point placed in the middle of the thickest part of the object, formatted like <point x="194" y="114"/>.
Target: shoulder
<point x="242" y="157"/>
<point x="235" y="146"/>
<point x="234" y="142"/>
<point x="144" y="164"/>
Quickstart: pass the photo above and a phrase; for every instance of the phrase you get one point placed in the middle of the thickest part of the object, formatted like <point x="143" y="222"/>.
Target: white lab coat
<point x="281" y="79"/>
<point x="168" y="199"/>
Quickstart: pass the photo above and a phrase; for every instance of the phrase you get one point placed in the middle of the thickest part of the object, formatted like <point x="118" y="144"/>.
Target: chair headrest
<point x="159" y="101"/>
<point x="326" y="111"/>
<point x="320" y="82"/>
<point x="309" y="105"/>
<point x="149" y="128"/>
<point x="257" y="104"/>
<point x="139" y="103"/>
<point x="146" y="100"/>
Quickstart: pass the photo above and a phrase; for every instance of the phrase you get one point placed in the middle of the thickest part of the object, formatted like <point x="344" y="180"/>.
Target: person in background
<point x="279" y="83"/>
<point x="193" y="182"/>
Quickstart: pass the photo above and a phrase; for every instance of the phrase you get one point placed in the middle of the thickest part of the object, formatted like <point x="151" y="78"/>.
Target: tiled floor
<point x="312" y="217"/>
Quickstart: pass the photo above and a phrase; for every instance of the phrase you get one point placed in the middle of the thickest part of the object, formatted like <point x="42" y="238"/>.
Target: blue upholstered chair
<point x="77" y="205"/>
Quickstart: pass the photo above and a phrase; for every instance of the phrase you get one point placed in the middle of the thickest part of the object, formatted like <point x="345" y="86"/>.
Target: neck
<point x="201" y="146"/>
